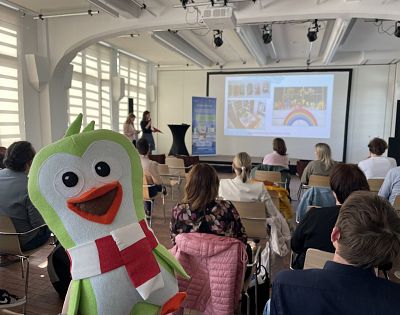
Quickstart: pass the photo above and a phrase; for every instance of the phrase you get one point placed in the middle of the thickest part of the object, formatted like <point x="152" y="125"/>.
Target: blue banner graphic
<point x="203" y="125"/>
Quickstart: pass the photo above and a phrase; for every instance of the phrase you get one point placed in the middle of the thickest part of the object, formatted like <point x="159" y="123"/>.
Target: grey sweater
<point x="15" y="203"/>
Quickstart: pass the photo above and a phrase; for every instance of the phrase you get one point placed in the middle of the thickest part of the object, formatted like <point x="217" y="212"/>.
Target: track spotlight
<point x="184" y="3"/>
<point x="218" y="38"/>
<point x="312" y="31"/>
<point x="397" y="29"/>
<point x="267" y="33"/>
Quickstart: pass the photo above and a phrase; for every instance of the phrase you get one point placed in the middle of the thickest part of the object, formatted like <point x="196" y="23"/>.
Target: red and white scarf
<point x="131" y="247"/>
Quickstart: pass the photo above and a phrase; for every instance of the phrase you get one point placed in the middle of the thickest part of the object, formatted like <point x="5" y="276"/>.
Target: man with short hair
<point x="366" y="235"/>
<point x="14" y="199"/>
<point x="376" y="165"/>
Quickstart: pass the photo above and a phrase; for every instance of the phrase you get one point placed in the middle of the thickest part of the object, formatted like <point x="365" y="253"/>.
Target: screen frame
<point x="349" y="83"/>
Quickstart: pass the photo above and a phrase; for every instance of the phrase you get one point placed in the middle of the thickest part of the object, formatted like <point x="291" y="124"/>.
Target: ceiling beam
<point x="251" y="37"/>
<point x="335" y="39"/>
<point x="174" y="42"/>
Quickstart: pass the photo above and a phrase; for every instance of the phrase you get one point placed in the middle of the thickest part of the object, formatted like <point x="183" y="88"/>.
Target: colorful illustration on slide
<point x="300" y="114"/>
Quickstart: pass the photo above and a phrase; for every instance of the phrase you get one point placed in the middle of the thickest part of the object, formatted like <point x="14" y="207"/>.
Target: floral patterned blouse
<point x="220" y="217"/>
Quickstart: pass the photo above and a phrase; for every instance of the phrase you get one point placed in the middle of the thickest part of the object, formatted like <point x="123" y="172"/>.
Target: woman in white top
<point x="241" y="188"/>
<point x="129" y="129"/>
<point x="279" y="156"/>
<point x="376" y="165"/>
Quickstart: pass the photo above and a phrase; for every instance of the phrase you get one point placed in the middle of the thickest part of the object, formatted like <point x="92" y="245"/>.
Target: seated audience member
<point x="314" y="230"/>
<point x="201" y="211"/>
<point x="376" y="165"/>
<point x="15" y="201"/>
<point x="150" y="169"/>
<point x="241" y="188"/>
<point x="366" y="235"/>
<point x="2" y="154"/>
<point x="279" y="155"/>
<point x="391" y="185"/>
<point x="322" y="166"/>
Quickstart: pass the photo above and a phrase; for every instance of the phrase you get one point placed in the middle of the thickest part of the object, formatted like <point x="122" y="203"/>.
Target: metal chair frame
<point x="13" y="248"/>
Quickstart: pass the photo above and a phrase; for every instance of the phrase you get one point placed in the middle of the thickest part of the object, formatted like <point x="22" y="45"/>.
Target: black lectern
<point x="178" y="139"/>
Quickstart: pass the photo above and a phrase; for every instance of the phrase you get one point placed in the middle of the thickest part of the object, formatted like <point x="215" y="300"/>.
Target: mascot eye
<point x="107" y="169"/>
<point x="69" y="182"/>
<point x="70" y="179"/>
<point x="102" y="169"/>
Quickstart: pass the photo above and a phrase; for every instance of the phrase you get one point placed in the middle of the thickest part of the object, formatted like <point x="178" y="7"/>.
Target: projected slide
<point x="279" y="105"/>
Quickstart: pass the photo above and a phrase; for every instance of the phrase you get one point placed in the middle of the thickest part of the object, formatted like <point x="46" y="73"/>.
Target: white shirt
<point x="377" y="166"/>
<point x="236" y="190"/>
<point x="150" y="169"/>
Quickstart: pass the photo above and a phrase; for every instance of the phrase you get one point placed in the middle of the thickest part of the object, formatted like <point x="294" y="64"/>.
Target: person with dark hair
<point x="15" y="201"/>
<point x="2" y="154"/>
<point x="279" y="155"/>
<point x="315" y="228"/>
<point x="147" y="130"/>
<point x="129" y="128"/>
<point x="201" y="211"/>
<point x="365" y="236"/>
<point x="376" y="165"/>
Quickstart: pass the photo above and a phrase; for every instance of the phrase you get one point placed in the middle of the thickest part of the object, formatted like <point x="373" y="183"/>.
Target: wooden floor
<point x="43" y="299"/>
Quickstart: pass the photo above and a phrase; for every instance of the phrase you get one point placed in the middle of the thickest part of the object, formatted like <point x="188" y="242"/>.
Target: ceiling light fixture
<point x="267" y="33"/>
<point x="104" y="7"/>
<point x="397" y="29"/>
<point x="312" y="31"/>
<point x="218" y="38"/>
<point x="42" y="16"/>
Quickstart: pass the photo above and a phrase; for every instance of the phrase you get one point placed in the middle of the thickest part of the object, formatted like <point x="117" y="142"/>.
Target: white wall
<point x="370" y="114"/>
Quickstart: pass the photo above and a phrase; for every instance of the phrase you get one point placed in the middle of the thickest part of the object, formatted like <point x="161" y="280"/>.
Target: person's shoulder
<point x="302" y="278"/>
<point x="220" y="203"/>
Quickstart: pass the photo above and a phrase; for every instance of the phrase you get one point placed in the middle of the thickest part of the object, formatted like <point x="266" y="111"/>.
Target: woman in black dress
<point x="147" y="130"/>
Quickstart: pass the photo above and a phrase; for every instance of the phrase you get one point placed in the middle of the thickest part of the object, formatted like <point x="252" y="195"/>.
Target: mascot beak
<point x="99" y="204"/>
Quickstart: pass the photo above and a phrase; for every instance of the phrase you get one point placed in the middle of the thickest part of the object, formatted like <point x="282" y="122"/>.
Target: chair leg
<point x="26" y="259"/>
<point x="21" y="260"/>
<point x="163" y="205"/>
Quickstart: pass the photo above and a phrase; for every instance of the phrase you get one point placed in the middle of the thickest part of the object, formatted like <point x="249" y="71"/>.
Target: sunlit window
<point x="10" y="128"/>
<point x="90" y="91"/>
<point x="135" y="74"/>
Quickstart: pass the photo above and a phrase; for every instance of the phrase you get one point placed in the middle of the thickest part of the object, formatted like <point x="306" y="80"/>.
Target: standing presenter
<point x="148" y="130"/>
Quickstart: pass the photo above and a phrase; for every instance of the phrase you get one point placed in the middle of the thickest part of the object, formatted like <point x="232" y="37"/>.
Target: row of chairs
<point x="173" y="173"/>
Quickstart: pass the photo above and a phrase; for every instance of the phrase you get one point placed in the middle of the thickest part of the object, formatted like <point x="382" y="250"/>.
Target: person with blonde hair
<point x="322" y="166"/>
<point x="201" y="211"/>
<point x="129" y="129"/>
<point x="241" y="188"/>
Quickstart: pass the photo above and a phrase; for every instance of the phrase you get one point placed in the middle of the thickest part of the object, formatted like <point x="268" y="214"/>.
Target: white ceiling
<point x="364" y="42"/>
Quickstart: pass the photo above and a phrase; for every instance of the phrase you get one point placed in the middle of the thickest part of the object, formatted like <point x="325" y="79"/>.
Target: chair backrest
<point x="146" y="195"/>
<point x="9" y="244"/>
<point x="253" y="217"/>
<point x="316" y="259"/>
<point x="270" y="176"/>
<point x="275" y="198"/>
<point x="163" y="169"/>
<point x="375" y="184"/>
<point x="396" y="203"/>
<point x="319" y="181"/>
<point x="176" y="166"/>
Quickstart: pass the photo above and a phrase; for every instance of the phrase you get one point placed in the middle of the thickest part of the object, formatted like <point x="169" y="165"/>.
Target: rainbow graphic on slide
<point x="302" y="115"/>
